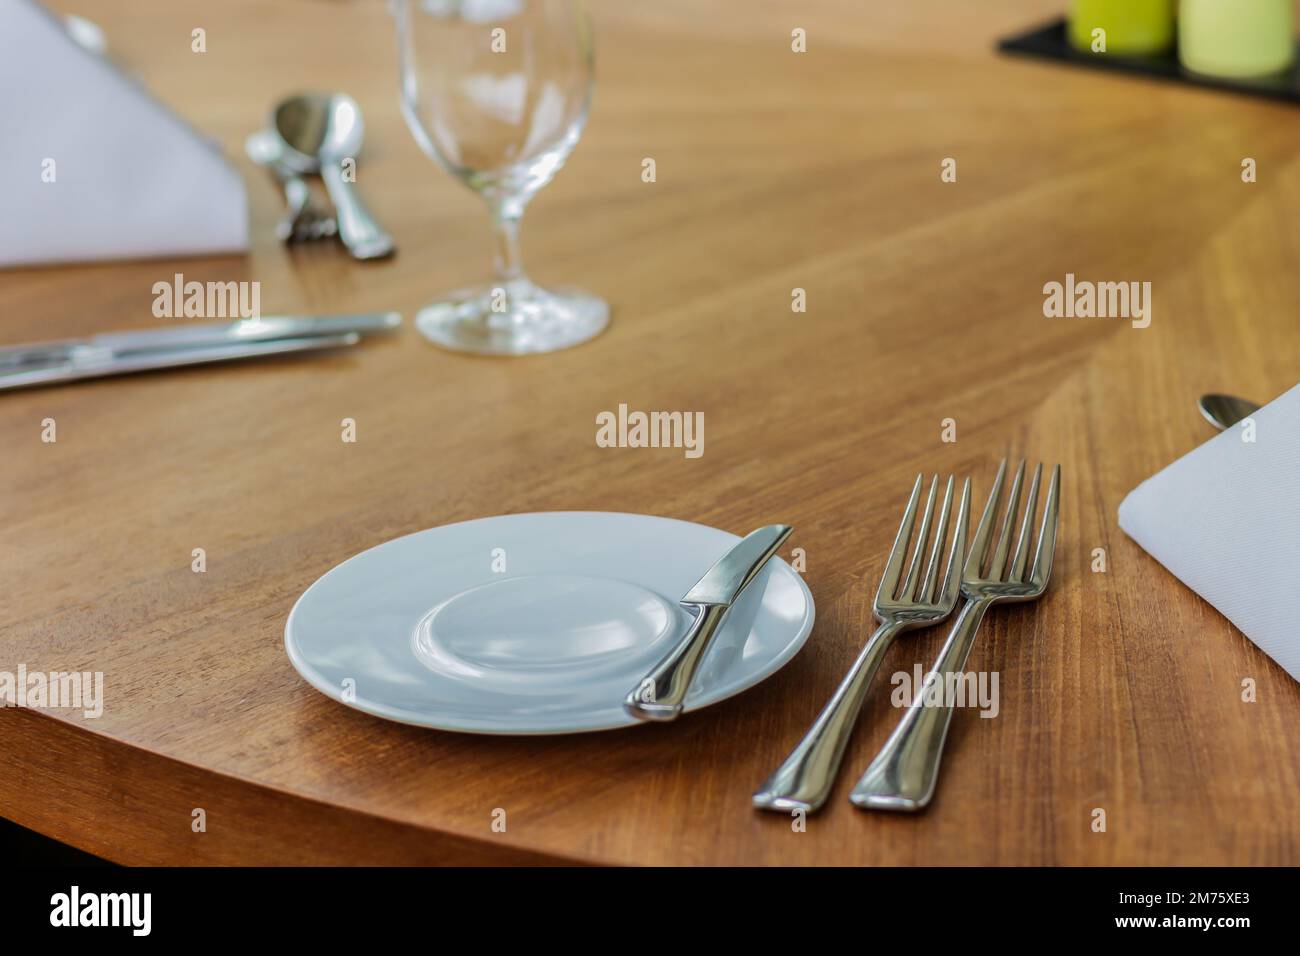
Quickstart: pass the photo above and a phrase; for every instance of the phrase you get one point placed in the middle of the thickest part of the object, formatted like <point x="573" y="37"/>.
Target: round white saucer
<point x="533" y="623"/>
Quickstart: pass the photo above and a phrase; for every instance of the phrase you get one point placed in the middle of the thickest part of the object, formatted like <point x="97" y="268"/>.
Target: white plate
<point x="428" y="629"/>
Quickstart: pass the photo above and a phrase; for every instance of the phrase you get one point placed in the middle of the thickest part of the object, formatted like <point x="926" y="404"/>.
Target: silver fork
<point x="303" y="220"/>
<point x="805" y="779"/>
<point x="904" y="773"/>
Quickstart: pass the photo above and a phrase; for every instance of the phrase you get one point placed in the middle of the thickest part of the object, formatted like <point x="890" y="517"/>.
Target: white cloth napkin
<point x="130" y="179"/>
<point x="1225" y="519"/>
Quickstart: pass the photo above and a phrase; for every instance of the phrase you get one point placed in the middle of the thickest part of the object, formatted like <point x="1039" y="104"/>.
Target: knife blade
<point x="661" y="693"/>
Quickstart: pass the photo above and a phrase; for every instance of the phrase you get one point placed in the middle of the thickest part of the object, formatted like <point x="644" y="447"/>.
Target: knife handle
<point x="166" y="358"/>
<point x="661" y="694"/>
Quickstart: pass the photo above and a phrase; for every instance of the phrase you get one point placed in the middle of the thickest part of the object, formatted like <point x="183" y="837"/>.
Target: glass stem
<point x="509" y="265"/>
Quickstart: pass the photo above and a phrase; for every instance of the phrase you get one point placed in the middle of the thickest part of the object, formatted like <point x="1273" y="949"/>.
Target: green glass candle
<point x="1243" y="38"/>
<point x="1132" y="26"/>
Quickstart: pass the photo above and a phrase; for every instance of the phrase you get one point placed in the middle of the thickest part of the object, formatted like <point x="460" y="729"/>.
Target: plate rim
<point x="308" y="673"/>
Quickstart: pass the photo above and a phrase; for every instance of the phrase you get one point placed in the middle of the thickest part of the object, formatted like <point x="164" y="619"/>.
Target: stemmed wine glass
<point x="496" y="92"/>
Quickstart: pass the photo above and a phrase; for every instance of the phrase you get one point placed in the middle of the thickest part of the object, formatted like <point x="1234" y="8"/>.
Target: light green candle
<point x="1241" y="38"/>
<point x="1131" y="26"/>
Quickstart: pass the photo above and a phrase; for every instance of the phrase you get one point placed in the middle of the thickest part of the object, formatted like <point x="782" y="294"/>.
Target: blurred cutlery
<point x="317" y="132"/>
<point x="303" y="220"/>
<point x="86" y="33"/>
<point x="201" y="335"/>
<point x="98" y="364"/>
<point x="1224" y="411"/>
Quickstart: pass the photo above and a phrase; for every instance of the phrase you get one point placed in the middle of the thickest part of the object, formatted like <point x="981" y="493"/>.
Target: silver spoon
<point x="86" y="33"/>
<point x="318" y="132"/>
<point x="1224" y="411"/>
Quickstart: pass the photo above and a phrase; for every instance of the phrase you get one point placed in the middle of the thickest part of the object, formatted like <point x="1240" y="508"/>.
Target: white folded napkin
<point x="1225" y="519"/>
<point x="129" y="178"/>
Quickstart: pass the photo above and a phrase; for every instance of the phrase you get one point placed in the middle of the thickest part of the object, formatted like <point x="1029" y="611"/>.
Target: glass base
<point x="515" y="319"/>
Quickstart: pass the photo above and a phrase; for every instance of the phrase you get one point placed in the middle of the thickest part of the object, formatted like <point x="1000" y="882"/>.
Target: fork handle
<point x="805" y="779"/>
<point x="903" y="775"/>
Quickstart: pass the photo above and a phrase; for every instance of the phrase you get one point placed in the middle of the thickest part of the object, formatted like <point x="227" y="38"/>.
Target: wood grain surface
<point x="1120" y="690"/>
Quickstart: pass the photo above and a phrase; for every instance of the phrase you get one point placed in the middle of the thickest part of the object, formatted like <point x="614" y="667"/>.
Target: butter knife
<point x="660" y="695"/>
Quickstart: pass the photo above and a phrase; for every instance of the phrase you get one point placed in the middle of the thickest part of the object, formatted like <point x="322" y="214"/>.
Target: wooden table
<point x="775" y="171"/>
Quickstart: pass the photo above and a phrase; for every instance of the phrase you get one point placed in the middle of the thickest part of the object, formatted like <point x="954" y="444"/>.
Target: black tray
<point x="1050" y="42"/>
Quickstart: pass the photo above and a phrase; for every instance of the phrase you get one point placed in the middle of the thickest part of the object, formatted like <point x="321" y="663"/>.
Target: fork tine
<point x="1004" y="539"/>
<point x="952" y="574"/>
<point x="1017" y="572"/>
<point x="1047" y="536"/>
<point x="925" y="596"/>
<point x="922" y="536"/>
<point x="889" y="581"/>
<point x="980" y="549"/>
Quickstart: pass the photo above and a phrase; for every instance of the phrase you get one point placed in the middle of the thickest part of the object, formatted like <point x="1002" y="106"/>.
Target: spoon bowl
<point x="318" y="127"/>
<point x="1224" y="411"/>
